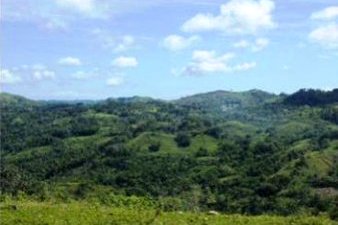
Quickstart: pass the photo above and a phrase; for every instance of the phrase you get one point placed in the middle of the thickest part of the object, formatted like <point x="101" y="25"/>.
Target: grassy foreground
<point x="37" y="213"/>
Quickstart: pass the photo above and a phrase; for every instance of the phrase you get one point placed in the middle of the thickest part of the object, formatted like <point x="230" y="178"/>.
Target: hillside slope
<point x="265" y="157"/>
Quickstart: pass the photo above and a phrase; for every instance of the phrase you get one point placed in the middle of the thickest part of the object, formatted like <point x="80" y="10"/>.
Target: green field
<point x="83" y="213"/>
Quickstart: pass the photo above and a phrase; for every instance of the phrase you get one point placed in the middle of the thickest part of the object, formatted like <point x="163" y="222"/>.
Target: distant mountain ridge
<point x="227" y="100"/>
<point x="220" y="99"/>
<point x="255" y="94"/>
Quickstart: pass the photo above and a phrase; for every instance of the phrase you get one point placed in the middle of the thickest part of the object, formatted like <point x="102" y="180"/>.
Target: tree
<point x="215" y="132"/>
<point x="83" y="126"/>
<point x="182" y="140"/>
<point x="12" y="180"/>
<point x="154" y="147"/>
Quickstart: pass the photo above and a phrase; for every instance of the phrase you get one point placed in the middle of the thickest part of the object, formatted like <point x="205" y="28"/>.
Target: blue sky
<point x="94" y="49"/>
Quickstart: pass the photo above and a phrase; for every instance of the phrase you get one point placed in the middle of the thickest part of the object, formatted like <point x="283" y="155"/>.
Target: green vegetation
<point x="251" y="153"/>
<point x="83" y="213"/>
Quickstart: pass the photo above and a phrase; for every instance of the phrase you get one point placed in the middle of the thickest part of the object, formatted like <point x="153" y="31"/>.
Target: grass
<point x="168" y="144"/>
<point x="319" y="163"/>
<point x="28" y="153"/>
<point x="84" y="213"/>
<point x="203" y="141"/>
<point x="322" y="162"/>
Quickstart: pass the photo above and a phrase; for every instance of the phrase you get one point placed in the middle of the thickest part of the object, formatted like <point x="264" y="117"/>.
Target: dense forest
<point x="237" y="152"/>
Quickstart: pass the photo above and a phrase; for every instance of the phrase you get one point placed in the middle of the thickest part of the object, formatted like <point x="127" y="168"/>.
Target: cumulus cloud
<point x="8" y="77"/>
<point x="82" y="75"/>
<point x="256" y="46"/>
<point x="328" y="13"/>
<point x="81" y="5"/>
<point x="236" y="17"/>
<point x="326" y="33"/>
<point x="260" y="44"/>
<point x="125" y="43"/>
<point x="44" y="74"/>
<point x="207" y="62"/>
<point x="94" y="9"/>
<point x="70" y="61"/>
<point x="124" y="62"/>
<point x="41" y="72"/>
<point x="176" y="42"/>
<point x="326" y="36"/>
<point x="47" y="14"/>
<point x="115" y="81"/>
<point x="116" y="43"/>
<point x="37" y="72"/>
<point x="242" y="44"/>
<point x="61" y="14"/>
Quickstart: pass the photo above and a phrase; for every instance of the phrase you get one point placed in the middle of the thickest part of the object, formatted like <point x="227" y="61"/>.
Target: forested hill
<point x="312" y="97"/>
<point x="223" y="98"/>
<point x="7" y="99"/>
<point x="238" y="152"/>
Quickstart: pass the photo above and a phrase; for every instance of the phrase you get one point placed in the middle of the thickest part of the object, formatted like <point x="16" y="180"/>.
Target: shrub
<point x="182" y="140"/>
<point x="155" y="147"/>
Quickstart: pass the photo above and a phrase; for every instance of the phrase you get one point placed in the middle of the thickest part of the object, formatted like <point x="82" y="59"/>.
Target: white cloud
<point x="256" y="46"/>
<point x="177" y="42"/>
<point x="124" y="61"/>
<point x="326" y="36"/>
<point x="28" y="73"/>
<point x="54" y="14"/>
<point x="260" y="44"/>
<point x="244" y="66"/>
<point x="82" y="75"/>
<point x="44" y="74"/>
<point x="328" y="13"/>
<point x="81" y="5"/>
<point x="115" y="81"/>
<point x="8" y="77"/>
<point x="70" y="61"/>
<point x="242" y="44"/>
<point x="125" y="43"/>
<point x="206" y="62"/>
<point x="41" y="72"/>
<point x="59" y="14"/>
<point x="113" y="42"/>
<point x="236" y="17"/>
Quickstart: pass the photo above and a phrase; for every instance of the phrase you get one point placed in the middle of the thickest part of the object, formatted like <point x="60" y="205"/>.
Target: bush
<point x="170" y="204"/>
<point x="202" y="152"/>
<point x="155" y="147"/>
<point x="333" y="213"/>
<point x="182" y="140"/>
<point x="215" y="132"/>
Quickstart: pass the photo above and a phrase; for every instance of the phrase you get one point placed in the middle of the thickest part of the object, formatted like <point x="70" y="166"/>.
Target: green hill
<point x="234" y="152"/>
<point x="7" y="99"/>
<point x="222" y="101"/>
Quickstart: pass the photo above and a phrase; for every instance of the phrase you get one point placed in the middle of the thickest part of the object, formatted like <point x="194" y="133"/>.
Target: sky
<point x="95" y="49"/>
